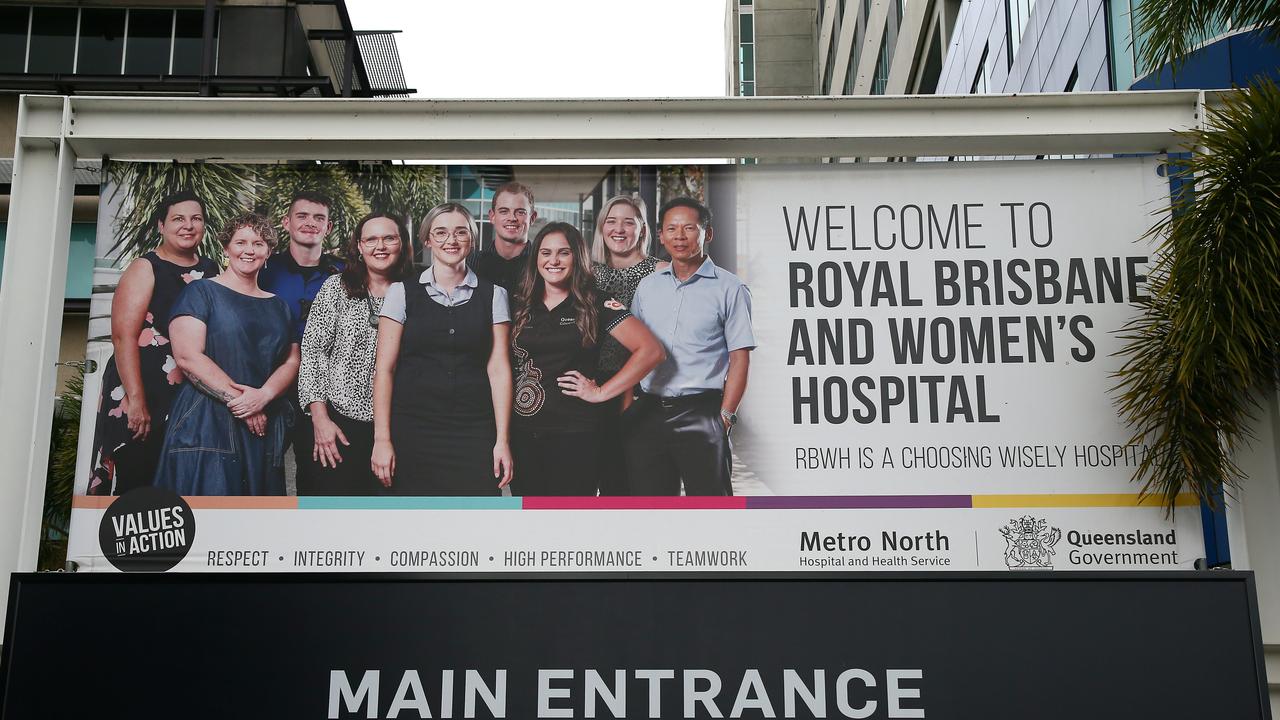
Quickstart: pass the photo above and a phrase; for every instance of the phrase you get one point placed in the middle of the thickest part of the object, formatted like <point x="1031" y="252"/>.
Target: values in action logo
<point x="147" y="529"/>
<point x="1029" y="543"/>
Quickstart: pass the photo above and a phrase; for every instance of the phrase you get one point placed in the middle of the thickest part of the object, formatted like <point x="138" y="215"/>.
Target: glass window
<point x="745" y="28"/>
<point x="188" y="42"/>
<point x="13" y="39"/>
<point x="101" y="41"/>
<point x="53" y="40"/>
<point x="747" y="63"/>
<point x="981" y="81"/>
<point x="881" y="77"/>
<point x="150" y="41"/>
<point x="748" y="89"/>
<point x="1016" y="15"/>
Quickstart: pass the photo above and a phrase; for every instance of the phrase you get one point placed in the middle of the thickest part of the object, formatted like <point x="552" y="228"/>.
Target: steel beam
<point x="35" y="271"/>
<point x="281" y="129"/>
<point x="53" y="131"/>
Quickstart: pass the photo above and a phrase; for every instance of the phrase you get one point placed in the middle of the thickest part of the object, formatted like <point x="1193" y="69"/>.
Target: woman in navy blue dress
<point x="235" y="344"/>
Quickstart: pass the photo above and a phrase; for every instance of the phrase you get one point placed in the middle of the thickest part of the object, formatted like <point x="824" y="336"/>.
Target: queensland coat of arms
<point x="1029" y="543"/>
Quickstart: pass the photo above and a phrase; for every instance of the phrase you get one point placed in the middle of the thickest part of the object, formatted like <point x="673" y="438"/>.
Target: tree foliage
<point x="1174" y="28"/>
<point x="60" y="478"/>
<point x="139" y="187"/>
<point x="1209" y="337"/>
<point x="228" y="190"/>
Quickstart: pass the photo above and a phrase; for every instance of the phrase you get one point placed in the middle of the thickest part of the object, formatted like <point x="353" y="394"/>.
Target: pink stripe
<point x="634" y="503"/>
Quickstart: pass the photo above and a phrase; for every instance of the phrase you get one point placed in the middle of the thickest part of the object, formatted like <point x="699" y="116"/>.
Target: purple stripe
<point x="859" y="501"/>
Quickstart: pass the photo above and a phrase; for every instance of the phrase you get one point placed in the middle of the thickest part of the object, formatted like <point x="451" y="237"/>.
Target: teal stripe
<point x="409" y="503"/>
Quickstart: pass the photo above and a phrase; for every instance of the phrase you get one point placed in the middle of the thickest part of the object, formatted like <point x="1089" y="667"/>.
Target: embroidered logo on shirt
<point x="614" y="305"/>
<point x="567" y="321"/>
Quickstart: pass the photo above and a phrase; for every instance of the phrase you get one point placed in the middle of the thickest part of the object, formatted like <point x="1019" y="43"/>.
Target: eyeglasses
<point x="387" y="240"/>
<point x="461" y="235"/>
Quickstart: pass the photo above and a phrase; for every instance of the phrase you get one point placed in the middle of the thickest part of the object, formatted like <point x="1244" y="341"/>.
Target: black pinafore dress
<point x="442" y="423"/>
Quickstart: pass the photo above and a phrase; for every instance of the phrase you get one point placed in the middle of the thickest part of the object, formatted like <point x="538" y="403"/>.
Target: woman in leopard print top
<point x="335" y="381"/>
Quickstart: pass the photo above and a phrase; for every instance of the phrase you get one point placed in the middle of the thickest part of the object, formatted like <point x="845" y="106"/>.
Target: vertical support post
<point x="348" y="64"/>
<point x="31" y="297"/>
<point x="209" y="48"/>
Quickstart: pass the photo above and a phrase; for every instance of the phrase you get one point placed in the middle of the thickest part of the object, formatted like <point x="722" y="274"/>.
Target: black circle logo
<point x="148" y="529"/>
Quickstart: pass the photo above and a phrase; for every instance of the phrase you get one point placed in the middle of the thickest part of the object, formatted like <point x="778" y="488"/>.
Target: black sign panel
<point x="954" y="645"/>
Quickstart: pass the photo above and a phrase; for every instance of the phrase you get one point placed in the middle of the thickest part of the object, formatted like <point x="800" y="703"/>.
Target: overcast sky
<point x="555" y="48"/>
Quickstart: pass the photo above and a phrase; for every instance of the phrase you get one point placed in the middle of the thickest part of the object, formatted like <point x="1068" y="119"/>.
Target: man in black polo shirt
<point x="510" y="213"/>
<point x="295" y="274"/>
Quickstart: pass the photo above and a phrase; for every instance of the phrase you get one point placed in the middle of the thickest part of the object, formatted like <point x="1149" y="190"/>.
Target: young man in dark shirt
<point x="295" y="274"/>
<point x="510" y="213"/>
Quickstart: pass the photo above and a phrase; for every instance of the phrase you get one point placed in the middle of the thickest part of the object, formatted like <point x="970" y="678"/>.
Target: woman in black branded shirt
<point x="558" y="324"/>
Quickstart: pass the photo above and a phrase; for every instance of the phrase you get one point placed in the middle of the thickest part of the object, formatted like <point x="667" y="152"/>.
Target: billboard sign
<point x="834" y="367"/>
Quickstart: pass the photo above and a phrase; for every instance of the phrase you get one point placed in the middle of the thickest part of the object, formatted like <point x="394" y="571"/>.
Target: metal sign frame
<point x="54" y="131"/>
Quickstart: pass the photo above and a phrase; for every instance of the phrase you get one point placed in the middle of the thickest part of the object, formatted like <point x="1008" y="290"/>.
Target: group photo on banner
<point x="344" y="330"/>
<point x="509" y="367"/>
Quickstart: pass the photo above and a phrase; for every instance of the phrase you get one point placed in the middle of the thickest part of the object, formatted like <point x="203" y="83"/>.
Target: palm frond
<point x="1208" y="338"/>
<point x="60" y="478"/>
<point x="1171" y="29"/>
<point x="279" y="183"/>
<point x="226" y="190"/>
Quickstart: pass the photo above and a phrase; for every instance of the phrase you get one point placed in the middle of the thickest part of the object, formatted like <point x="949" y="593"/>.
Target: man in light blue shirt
<point x="679" y="428"/>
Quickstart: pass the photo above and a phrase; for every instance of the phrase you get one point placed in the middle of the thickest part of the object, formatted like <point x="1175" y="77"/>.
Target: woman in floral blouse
<point x="335" y="381"/>
<point x="141" y="378"/>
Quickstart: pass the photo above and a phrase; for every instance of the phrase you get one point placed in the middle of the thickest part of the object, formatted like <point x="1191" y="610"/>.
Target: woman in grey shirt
<point x="335" y="381"/>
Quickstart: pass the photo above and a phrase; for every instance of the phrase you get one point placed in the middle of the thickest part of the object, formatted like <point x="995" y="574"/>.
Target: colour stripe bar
<point x="409" y="503"/>
<point x="203" y="502"/>
<point x="815" y="502"/>
<point x="239" y="502"/>
<point x="635" y="503"/>
<point x="1080" y="500"/>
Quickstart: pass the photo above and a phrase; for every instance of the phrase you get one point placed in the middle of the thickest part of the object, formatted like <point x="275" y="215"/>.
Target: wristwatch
<point x="730" y="418"/>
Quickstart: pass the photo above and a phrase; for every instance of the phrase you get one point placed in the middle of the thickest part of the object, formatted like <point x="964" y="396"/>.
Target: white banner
<point x="930" y="390"/>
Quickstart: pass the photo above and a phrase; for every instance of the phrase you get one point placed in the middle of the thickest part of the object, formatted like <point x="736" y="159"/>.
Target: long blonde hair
<point x="599" y="250"/>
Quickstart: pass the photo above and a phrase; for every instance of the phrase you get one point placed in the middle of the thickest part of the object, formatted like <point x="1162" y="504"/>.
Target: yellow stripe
<point x="1079" y="500"/>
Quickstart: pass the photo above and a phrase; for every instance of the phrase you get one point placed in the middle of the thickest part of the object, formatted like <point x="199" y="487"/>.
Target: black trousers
<point x="669" y="440"/>
<point x="555" y="463"/>
<point x="354" y="475"/>
<point x="613" y="457"/>
<point x="303" y="440"/>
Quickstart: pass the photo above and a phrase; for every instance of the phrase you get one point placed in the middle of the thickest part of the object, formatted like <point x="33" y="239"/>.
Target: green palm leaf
<point x="1209" y="338"/>
<point x="225" y="189"/>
